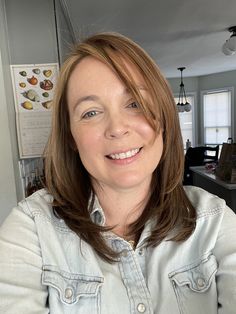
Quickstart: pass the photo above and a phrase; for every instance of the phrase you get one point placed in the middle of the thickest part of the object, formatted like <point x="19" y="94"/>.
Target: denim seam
<point x="210" y="212"/>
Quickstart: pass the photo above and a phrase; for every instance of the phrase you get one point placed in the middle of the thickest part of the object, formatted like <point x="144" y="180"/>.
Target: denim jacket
<point x="47" y="268"/>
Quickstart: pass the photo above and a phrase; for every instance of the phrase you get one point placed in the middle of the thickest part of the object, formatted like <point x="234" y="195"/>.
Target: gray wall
<point x="190" y="83"/>
<point x="31" y="31"/>
<point x="7" y="176"/>
<point x="28" y="35"/>
<point x="65" y="33"/>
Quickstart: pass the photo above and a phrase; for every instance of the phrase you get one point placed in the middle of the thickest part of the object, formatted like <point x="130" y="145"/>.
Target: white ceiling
<point x="176" y="33"/>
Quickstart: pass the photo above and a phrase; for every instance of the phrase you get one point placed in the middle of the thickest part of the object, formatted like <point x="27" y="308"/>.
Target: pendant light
<point x="183" y="104"/>
<point x="229" y="47"/>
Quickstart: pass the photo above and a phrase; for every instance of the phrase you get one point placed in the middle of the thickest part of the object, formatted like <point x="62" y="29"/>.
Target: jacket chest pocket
<point x="195" y="287"/>
<point x="71" y="293"/>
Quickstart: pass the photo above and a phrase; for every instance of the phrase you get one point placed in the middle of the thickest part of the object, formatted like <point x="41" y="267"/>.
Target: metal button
<point x="132" y="244"/>
<point x="141" y="308"/>
<point x="200" y="282"/>
<point x="68" y="293"/>
<point x="141" y="252"/>
<point x="125" y="253"/>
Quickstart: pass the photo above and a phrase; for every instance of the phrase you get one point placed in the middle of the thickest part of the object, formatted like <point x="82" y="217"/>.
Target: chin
<point x="129" y="182"/>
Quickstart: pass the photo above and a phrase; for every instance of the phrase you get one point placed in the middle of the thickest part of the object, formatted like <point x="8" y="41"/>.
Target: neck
<point x="121" y="207"/>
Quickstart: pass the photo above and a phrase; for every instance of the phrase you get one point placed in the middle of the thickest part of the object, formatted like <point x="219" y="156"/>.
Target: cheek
<point x="157" y="146"/>
<point x="86" y="140"/>
<point x="146" y="131"/>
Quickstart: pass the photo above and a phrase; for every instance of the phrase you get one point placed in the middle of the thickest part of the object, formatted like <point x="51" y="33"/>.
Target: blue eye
<point x="134" y="104"/>
<point x="89" y="114"/>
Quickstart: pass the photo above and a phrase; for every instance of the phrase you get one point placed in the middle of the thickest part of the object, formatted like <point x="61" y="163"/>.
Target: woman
<point x="115" y="231"/>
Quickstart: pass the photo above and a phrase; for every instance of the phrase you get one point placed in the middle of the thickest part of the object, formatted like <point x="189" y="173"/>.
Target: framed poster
<point x="33" y="87"/>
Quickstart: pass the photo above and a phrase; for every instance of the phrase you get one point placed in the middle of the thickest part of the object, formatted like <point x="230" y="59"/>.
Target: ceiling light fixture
<point x="183" y="104"/>
<point x="229" y="47"/>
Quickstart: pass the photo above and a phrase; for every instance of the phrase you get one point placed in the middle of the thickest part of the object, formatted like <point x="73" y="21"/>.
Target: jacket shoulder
<point x="39" y="203"/>
<point x="205" y="203"/>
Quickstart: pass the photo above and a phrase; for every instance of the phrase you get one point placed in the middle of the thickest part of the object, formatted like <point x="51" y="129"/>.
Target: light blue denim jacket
<point x="47" y="268"/>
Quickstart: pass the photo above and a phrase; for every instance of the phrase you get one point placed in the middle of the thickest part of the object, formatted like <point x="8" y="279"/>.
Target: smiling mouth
<point x="124" y="155"/>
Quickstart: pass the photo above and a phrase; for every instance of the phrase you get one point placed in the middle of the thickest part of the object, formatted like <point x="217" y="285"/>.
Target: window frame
<point x="215" y="91"/>
<point x="194" y="116"/>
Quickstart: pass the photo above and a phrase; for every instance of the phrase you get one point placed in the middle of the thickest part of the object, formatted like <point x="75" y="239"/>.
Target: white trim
<point x="214" y="91"/>
<point x="194" y="115"/>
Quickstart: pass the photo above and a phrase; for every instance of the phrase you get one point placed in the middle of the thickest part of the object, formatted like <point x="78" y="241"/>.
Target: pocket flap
<point x="197" y="276"/>
<point x="71" y="286"/>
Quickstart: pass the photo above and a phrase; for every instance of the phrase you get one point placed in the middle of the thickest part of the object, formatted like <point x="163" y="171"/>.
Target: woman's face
<point x="116" y="144"/>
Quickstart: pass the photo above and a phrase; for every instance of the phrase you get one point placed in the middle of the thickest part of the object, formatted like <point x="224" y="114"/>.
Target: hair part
<point x="168" y="204"/>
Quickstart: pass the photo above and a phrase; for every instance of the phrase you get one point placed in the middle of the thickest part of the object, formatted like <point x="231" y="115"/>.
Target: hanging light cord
<point x="182" y="95"/>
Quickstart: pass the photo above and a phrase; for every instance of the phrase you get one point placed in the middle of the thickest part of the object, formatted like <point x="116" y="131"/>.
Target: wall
<point x="31" y="31"/>
<point x="28" y="36"/>
<point x="7" y="177"/>
<point x="64" y="30"/>
<point x="190" y="83"/>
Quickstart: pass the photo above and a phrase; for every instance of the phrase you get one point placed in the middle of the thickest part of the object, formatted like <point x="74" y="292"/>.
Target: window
<point x="217" y="116"/>
<point x="186" y="122"/>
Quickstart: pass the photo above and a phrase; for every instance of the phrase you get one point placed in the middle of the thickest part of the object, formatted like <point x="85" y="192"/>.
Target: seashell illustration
<point x="32" y="80"/>
<point x="46" y="84"/>
<point x="36" y="71"/>
<point x="45" y="94"/>
<point x="23" y="73"/>
<point x="27" y="105"/>
<point x="47" y="73"/>
<point x="31" y="95"/>
<point x="47" y="104"/>
<point x="22" y="84"/>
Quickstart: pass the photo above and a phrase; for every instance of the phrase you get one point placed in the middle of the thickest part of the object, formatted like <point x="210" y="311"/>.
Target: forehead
<point x="90" y="69"/>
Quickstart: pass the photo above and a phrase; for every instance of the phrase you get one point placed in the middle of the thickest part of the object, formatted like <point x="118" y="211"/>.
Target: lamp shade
<point x="187" y="107"/>
<point x="180" y="107"/>
<point x="226" y="50"/>
<point x="231" y="43"/>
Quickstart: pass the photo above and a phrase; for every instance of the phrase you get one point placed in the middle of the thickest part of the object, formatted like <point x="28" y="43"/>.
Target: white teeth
<point x="127" y="154"/>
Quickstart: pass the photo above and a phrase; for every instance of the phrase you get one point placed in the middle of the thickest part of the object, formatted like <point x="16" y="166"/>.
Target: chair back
<point x="198" y="156"/>
<point x="211" y="157"/>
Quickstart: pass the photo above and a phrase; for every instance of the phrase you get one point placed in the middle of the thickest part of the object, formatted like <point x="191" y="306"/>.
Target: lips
<point x="124" y="155"/>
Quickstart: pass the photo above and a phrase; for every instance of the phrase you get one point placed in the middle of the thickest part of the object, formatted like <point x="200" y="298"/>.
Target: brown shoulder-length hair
<point x="69" y="182"/>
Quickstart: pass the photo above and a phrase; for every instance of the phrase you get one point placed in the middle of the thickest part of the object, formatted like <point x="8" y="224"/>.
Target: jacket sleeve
<point x="225" y="252"/>
<point x="21" y="290"/>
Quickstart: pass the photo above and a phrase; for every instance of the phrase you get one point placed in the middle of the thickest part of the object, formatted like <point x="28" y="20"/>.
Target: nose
<point x="117" y="127"/>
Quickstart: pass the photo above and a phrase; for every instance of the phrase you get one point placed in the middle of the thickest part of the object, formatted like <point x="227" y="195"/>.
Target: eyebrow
<point x="85" y="98"/>
<point x="96" y="98"/>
